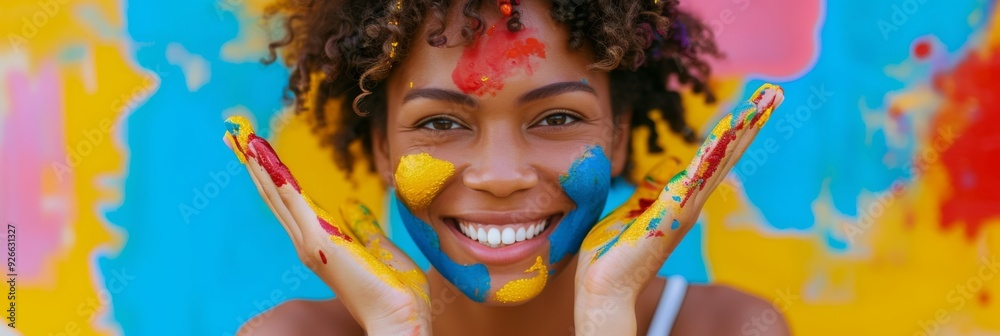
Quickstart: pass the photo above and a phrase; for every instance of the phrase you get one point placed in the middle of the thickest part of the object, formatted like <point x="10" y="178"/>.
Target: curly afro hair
<point x="342" y="51"/>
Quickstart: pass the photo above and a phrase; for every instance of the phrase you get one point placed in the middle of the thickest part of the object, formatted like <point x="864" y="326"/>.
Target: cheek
<point x="587" y="183"/>
<point x="420" y="177"/>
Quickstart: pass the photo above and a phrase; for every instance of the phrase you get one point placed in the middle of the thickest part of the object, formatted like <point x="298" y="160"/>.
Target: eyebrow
<point x="441" y="94"/>
<point x="555" y="89"/>
<point x="546" y="91"/>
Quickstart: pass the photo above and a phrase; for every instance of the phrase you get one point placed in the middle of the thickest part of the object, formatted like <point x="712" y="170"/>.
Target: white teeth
<point x="507" y="236"/>
<point x="493" y="236"/>
<point x="499" y="236"/>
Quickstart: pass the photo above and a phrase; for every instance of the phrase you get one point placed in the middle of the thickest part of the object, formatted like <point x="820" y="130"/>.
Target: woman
<point x="500" y="126"/>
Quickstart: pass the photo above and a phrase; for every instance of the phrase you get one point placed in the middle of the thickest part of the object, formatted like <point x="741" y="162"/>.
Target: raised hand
<point x="381" y="286"/>
<point x="638" y="237"/>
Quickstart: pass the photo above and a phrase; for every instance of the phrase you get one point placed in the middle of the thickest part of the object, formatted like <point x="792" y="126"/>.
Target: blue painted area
<point x="203" y="252"/>
<point x="587" y="183"/>
<point x="819" y="134"/>
<point x="473" y="280"/>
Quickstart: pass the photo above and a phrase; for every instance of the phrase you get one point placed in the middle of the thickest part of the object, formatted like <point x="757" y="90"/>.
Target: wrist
<point x="604" y="316"/>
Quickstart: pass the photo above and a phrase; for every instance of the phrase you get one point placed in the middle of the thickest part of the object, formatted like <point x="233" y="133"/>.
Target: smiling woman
<point x="500" y="126"/>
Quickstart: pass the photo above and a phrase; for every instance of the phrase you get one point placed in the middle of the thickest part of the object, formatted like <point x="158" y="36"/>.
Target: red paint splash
<point x="493" y="57"/>
<point x="971" y="112"/>
<point x="333" y="230"/>
<point x="712" y="159"/>
<point x="322" y="257"/>
<point x="268" y="159"/>
<point x="656" y="233"/>
<point x="644" y="204"/>
<point x="922" y="49"/>
<point x="984" y="297"/>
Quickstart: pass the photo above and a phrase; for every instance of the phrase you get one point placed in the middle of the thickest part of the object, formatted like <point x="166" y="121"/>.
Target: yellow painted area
<point x="524" y="289"/>
<point x="75" y="307"/>
<point x="420" y="177"/>
<point x="243" y="130"/>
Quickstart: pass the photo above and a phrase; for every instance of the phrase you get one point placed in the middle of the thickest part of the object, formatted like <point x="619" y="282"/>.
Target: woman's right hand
<point x="381" y="286"/>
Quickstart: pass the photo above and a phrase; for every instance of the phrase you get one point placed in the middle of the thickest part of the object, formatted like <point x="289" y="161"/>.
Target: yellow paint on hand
<point x="420" y="177"/>
<point x="242" y="128"/>
<point x="524" y="289"/>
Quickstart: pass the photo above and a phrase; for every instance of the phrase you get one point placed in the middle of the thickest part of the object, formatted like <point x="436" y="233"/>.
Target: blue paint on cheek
<point x="473" y="280"/>
<point x="587" y="183"/>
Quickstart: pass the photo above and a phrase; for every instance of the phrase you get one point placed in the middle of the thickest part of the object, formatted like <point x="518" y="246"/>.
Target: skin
<point x="506" y="154"/>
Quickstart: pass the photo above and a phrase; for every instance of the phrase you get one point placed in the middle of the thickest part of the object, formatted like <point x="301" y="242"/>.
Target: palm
<point x="381" y="286"/>
<point x="625" y="250"/>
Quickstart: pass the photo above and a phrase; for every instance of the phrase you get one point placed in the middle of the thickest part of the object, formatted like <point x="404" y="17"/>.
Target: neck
<point x="550" y="313"/>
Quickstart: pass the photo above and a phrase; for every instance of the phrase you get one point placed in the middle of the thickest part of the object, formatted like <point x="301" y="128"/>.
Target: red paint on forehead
<point x="493" y="57"/>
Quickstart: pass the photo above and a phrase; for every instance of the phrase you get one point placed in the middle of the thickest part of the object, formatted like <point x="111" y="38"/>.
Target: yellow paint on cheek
<point x="524" y="289"/>
<point x="420" y="177"/>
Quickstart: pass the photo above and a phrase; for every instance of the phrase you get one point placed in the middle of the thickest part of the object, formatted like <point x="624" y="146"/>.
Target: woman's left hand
<point x="623" y="252"/>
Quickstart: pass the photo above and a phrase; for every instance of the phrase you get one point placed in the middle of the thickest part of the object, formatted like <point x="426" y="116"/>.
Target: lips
<point x="502" y="239"/>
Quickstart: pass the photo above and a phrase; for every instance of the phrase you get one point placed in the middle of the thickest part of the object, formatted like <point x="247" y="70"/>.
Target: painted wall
<point x="869" y="205"/>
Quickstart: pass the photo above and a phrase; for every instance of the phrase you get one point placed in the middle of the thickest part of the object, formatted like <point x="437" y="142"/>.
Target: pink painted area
<point x="33" y="197"/>
<point x="770" y="38"/>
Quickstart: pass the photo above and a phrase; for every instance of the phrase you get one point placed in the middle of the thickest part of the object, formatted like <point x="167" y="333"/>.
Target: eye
<point x="557" y="119"/>
<point x="440" y="124"/>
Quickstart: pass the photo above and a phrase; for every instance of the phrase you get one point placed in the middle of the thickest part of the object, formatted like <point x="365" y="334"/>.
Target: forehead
<point x="497" y="59"/>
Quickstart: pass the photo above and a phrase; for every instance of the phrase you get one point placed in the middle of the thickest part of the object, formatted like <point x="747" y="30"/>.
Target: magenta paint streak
<point x="493" y="57"/>
<point x="332" y="230"/>
<point x="268" y="159"/>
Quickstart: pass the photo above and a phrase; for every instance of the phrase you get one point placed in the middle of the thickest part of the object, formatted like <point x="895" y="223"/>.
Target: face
<point x="501" y="152"/>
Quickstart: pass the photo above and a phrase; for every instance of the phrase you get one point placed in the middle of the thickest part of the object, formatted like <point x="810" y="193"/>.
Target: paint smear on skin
<point x="678" y="191"/>
<point x="244" y="138"/>
<point x="525" y="289"/>
<point x="472" y="280"/>
<point x="971" y="94"/>
<point x="587" y="183"/>
<point x="420" y="177"/>
<point x="495" y="56"/>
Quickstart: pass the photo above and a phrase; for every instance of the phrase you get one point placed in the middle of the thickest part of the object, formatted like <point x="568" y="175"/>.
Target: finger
<point x="239" y="129"/>
<point x="363" y="223"/>
<point x="755" y="114"/>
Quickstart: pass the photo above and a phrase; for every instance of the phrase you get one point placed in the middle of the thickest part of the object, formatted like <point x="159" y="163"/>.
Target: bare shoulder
<point x="724" y="310"/>
<point x="302" y="317"/>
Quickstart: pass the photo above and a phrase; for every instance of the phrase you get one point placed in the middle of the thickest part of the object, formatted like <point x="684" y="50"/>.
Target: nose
<point x="500" y="167"/>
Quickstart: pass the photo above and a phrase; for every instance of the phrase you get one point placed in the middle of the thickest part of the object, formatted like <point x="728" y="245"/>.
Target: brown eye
<point x="557" y="119"/>
<point x="440" y="124"/>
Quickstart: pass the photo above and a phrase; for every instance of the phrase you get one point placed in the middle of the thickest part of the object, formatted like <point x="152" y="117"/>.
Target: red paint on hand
<point x="492" y="58"/>
<point x="332" y="230"/>
<point x="268" y="159"/>
<point x="322" y="257"/>
<point x="644" y="204"/>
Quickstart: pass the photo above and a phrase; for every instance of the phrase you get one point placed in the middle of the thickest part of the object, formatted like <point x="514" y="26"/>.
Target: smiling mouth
<point x="502" y="235"/>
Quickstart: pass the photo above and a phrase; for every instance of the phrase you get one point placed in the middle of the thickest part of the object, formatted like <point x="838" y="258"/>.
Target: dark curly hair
<point x="342" y="51"/>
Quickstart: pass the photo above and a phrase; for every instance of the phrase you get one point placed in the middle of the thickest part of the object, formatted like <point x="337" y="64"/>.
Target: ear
<point x="620" y="142"/>
<point x="380" y="153"/>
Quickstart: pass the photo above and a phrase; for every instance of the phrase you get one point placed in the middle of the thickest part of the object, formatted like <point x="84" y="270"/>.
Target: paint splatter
<point x="472" y="280"/>
<point x="322" y="257"/>
<point x="493" y="57"/>
<point x="921" y="49"/>
<point x="420" y="177"/>
<point x="524" y="289"/>
<point x="971" y="158"/>
<point x="587" y="183"/>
